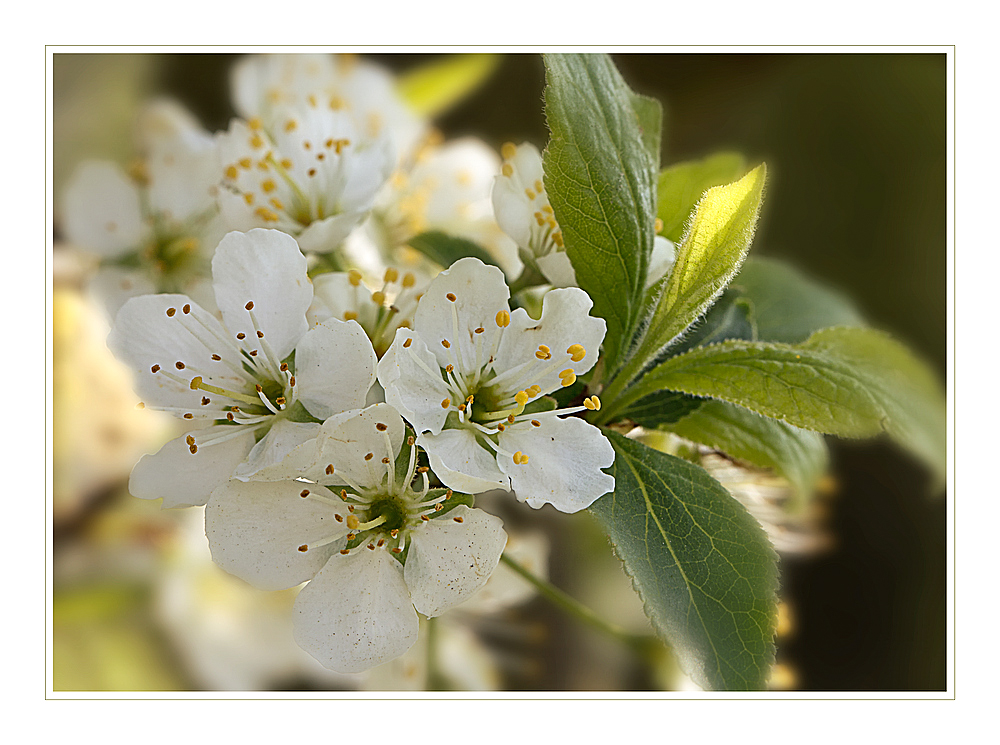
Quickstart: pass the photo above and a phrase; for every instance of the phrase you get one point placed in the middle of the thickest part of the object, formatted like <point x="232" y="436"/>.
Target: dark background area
<point x="856" y="152"/>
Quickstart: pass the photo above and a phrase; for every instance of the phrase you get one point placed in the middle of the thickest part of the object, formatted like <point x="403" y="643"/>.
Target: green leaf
<point x="445" y="249"/>
<point x="436" y="86"/>
<point x="682" y="184"/>
<point x="797" y="454"/>
<point x="702" y="565"/>
<point x="661" y="408"/>
<point x="852" y="382"/>
<point x="649" y="112"/>
<point x="707" y="260"/>
<point x="788" y="306"/>
<point x="601" y="182"/>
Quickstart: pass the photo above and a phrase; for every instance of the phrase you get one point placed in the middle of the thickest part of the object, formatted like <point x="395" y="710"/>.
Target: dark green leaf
<point x="788" y="306"/>
<point x="661" y="408"/>
<point x="682" y="184"/>
<point x="601" y="182"/>
<point x="445" y="249"/>
<point x="702" y="565"/>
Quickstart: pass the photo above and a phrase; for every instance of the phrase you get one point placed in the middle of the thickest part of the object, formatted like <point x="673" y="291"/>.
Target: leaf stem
<point x="571" y="605"/>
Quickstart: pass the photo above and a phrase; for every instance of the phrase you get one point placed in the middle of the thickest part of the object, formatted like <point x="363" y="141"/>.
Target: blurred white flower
<point x="360" y="608"/>
<point x="239" y="376"/>
<point x="154" y="229"/>
<point x="445" y="187"/>
<point x="263" y="86"/>
<point x="313" y="175"/>
<point x="464" y="377"/>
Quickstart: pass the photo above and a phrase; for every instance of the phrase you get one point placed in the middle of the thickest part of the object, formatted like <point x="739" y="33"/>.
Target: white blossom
<point x="312" y="175"/>
<point x="376" y="553"/>
<point x="257" y="383"/>
<point x="263" y="86"/>
<point x="154" y="227"/>
<point x="471" y="376"/>
<point x="380" y="312"/>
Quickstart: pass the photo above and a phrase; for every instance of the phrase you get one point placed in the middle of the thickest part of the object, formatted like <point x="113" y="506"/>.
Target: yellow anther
<point x="336" y="103"/>
<point x="568" y="380"/>
<point x="352" y="522"/>
<point x="446" y="403"/>
<point x="529" y="193"/>
<point x="290" y="125"/>
<point x="286" y="163"/>
<point x="255" y="123"/>
<point x="547" y="208"/>
<point x="256" y="141"/>
<point x="534" y="390"/>
<point x="354" y="276"/>
<point x="508" y="150"/>
<point x="576" y="352"/>
<point x="391" y="275"/>
<point x="539" y="186"/>
<point x="521" y="397"/>
<point x="539" y="218"/>
<point x="304" y="547"/>
<point x="503" y="318"/>
<point x="312" y="100"/>
<point x="520" y="458"/>
<point x="248" y="198"/>
<point x="277" y="203"/>
<point x="507" y="170"/>
<point x="593" y="403"/>
<point x="268" y="185"/>
<point x="378" y="297"/>
<point x="510" y="418"/>
<point x="339" y="145"/>
<point x="535" y="423"/>
<point x="350" y="315"/>
<point x="232" y="173"/>
<point x="558" y="239"/>
<point x="266" y="215"/>
<point x="409" y="280"/>
<point x="407" y="343"/>
<point x="545" y="350"/>
<point x="245" y="163"/>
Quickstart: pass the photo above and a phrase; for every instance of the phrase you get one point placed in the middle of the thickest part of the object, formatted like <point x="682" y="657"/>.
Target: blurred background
<point x="856" y="151"/>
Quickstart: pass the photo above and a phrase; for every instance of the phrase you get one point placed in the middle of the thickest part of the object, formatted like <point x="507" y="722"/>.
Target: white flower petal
<point x="345" y="439"/>
<point x="325" y="235"/>
<point x="101" y="210"/>
<point x="356" y="613"/>
<point x="558" y="269"/>
<point x="334" y="295"/>
<point x="661" y="260"/>
<point x="565" y="321"/>
<point x="480" y="291"/>
<point x="256" y="530"/>
<point x="565" y="458"/>
<point x="144" y="336"/>
<point x="513" y="211"/>
<point x="281" y="440"/>
<point x="462" y="463"/>
<point x="416" y="390"/>
<point x="334" y="368"/>
<point x="264" y="267"/>
<point x="448" y="561"/>
<point x="183" y="478"/>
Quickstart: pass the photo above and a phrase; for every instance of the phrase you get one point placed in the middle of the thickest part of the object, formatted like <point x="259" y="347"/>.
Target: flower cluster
<point x="342" y="400"/>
